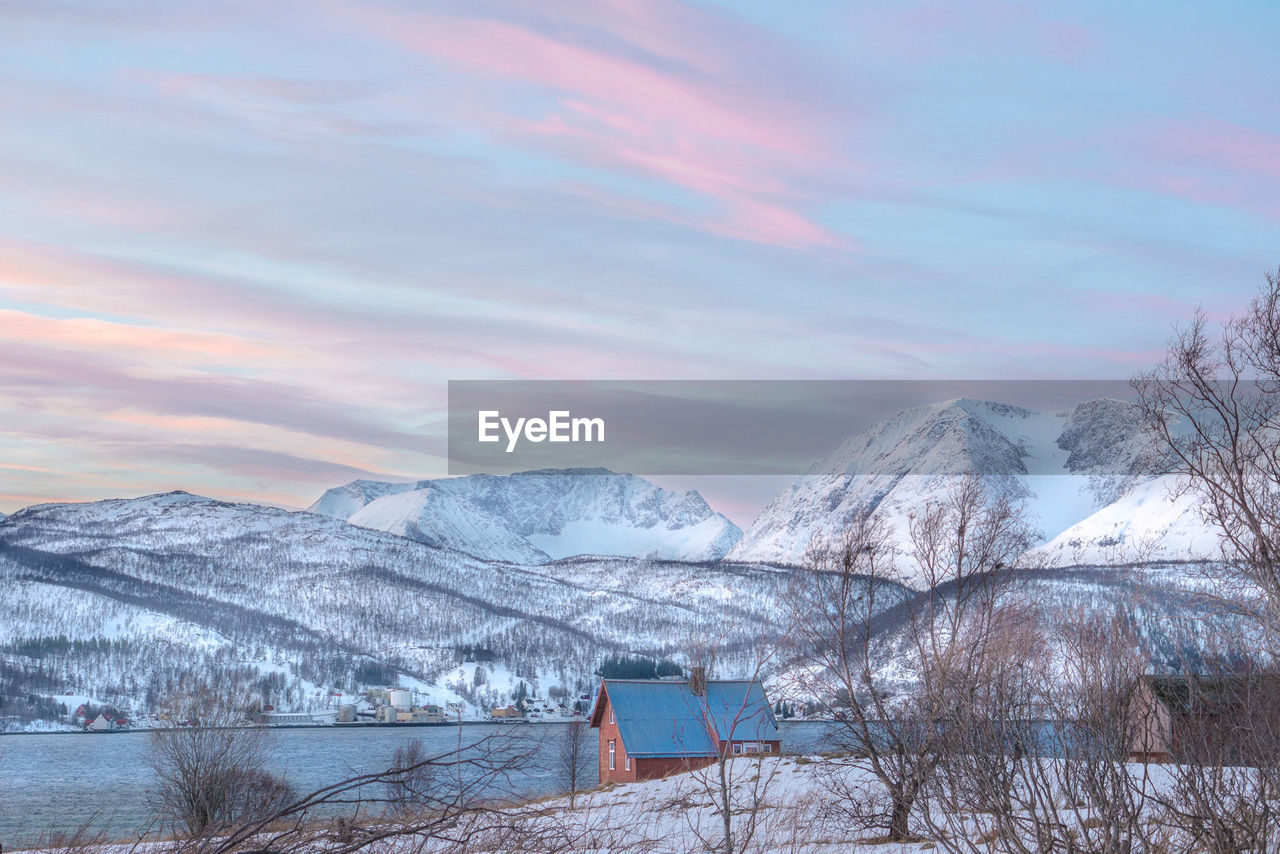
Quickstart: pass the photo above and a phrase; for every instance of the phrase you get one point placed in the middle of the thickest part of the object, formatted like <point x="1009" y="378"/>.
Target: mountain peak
<point x="897" y="465"/>
<point x="540" y="515"/>
<point x="957" y="436"/>
<point x="570" y="472"/>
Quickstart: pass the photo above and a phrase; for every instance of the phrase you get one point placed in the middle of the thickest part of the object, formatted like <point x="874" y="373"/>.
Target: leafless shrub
<point x="1103" y="713"/>
<point x="989" y="741"/>
<point x="1038" y="759"/>
<point x="410" y="786"/>
<point x="212" y="776"/>
<point x="1223" y="743"/>
<point x="736" y="786"/>
<point x="87" y="837"/>
<point x="850" y="620"/>
<point x="572" y="754"/>
<point x="1215" y="405"/>
<point x="468" y="795"/>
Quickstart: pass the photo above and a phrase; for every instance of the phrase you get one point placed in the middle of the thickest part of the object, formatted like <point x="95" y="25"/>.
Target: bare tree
<point x="573" y="752"/>
<point x="1039" y="760"/>
<point x="468" y="797"/>
<point x="212" y="775"/>
<point x="410" y="785"/>
<point x="853" y="613"/>
<point x="1222" y="736"/>
<point x="1214" y="403"/>
<point x="736" y="780"/>
<point x="834" y="607"/>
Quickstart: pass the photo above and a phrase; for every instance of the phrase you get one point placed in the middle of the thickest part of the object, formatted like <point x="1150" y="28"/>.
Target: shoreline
<point x="335" y="726"/>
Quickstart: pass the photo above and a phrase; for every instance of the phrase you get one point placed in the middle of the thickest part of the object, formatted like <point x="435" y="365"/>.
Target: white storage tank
<point x="401" y="698"/>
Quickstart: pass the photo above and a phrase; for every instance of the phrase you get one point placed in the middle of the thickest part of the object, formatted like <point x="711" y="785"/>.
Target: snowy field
<point x="779" y="805"/>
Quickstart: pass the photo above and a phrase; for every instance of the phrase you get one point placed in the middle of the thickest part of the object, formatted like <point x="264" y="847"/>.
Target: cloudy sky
<point x="244" y="246"/>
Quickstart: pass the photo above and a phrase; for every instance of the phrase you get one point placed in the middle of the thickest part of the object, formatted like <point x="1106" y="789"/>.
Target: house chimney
<point x="698" y="680"/>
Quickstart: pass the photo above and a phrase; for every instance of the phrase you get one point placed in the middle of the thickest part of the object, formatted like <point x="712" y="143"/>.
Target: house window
<point x="768" y="748"/>
<point x="612" y="751"/>
<point x="626" y="763"/>
<point x="737" y="749"/>
<point x="612" y="719"/>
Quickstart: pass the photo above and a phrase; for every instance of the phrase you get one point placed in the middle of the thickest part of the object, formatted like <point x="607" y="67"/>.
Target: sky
<point x="244" y="246"/>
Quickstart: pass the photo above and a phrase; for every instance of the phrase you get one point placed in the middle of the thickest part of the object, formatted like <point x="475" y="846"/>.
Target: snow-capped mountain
<point x="137" y="595"/>
<point x="538" y="516"/>
<point x="436" y="517"/>
<point x="1066" y="466"/>
<point x="1156" y="519"/>
<point x="130" y="600"/>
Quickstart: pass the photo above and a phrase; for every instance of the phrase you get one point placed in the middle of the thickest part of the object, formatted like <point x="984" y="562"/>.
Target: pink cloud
<point x="687" y="117"/>
<point x="988" y="26"/>
<point x="561" y="333"/>
<point x="1209" y="162"/>
<point x="1231" y="146"/>
<point x="158" y="346"/>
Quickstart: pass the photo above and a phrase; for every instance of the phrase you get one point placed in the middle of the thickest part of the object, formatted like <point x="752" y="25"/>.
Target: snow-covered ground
<point x="778" y="805"/>
<point x="681" y="813"/>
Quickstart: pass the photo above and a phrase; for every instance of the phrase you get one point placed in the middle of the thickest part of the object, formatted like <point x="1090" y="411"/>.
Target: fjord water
<point x="58" y="781"/>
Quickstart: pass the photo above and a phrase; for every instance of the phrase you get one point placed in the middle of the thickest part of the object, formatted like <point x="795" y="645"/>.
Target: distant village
<point x="400" y="706"/>
<point x="376" y="706"/>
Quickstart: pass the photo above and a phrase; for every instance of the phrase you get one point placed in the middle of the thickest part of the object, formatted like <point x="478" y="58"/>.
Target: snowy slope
<point x="1157" y="519"/>
<point x="1065" y="465"/>
<point x="341" y="501"/>
<point x="536" y="516"/>
<point x="179" y="588"/>
<point x="435" y="517"/>
<point x="124" y="600"/>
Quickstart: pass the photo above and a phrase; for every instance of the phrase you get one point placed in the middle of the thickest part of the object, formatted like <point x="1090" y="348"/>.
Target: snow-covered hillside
<point x="128" y="599"/>
<point x="435" y="517"/>
<point x="1156" y="519"/>
<point x="131" y="601"/>
<point x="538" y="516"/>
<point x="1067" y="466"/>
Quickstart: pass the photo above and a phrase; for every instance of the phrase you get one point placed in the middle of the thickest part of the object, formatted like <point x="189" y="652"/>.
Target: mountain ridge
<point x="1067" y="466"/>
<point x="539" y="516"/>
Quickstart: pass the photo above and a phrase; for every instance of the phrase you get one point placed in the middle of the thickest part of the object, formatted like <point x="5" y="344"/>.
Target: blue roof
<point x="666" y="718"/>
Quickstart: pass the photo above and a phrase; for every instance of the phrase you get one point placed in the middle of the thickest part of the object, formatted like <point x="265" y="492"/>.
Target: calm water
<point x="58" y="781"/>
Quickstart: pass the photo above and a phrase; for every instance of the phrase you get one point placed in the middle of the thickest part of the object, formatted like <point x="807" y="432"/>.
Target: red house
<point x="651" y="728"/>
<point x="1213" y="720"/>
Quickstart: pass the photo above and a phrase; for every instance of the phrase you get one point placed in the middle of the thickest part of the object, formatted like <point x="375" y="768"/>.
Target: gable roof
<point x="1223" y="693"/>
<point x="665" y="718"/>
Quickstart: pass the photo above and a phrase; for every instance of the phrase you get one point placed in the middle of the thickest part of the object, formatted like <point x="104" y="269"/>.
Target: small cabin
<point x="650" y="728"/>
<point x="1215" y="720"/>
<point x="102" y="723"/>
